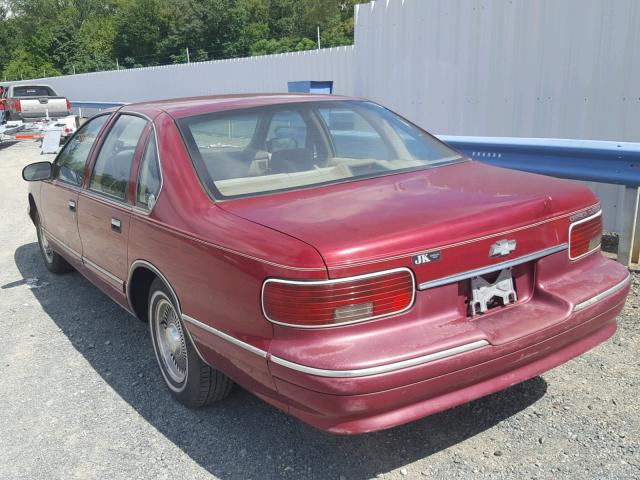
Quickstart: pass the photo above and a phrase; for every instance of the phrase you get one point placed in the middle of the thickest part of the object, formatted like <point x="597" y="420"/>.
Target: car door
<point x="59" y="196"/>
<point x="104" y="206"/>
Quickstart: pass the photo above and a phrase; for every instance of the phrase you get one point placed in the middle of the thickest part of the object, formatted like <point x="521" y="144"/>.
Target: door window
<point x="112" y="169"/>
<point x="69" y="166"/>
<point x="149" y="181"/>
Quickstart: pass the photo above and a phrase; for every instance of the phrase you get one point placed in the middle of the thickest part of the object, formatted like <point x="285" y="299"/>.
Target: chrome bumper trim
<point x="224" y="336"/>
<point x="321" y="372"/>
<point x="390" y="367"/>
<point x="602" y="295"/>
<point x="492" y="268"/>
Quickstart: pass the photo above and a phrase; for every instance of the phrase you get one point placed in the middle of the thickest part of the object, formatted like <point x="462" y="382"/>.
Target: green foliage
<point x="24" y="64"/>
<point x="67" y="36"/>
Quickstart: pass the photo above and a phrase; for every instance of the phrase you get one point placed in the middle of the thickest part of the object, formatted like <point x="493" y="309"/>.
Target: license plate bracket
<point x="486" y="295"/>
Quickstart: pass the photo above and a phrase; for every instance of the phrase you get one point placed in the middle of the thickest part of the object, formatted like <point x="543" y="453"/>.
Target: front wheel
<point x="191" y="381"/>
<point x="53" y="261"/>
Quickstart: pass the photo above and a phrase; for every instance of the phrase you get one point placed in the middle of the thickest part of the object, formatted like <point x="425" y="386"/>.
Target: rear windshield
<point x="33" y="91"/>
<point x="273" y="148"/>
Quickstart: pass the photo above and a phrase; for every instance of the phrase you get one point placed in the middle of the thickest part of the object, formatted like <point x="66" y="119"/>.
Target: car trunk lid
<point x="438" y="221"/>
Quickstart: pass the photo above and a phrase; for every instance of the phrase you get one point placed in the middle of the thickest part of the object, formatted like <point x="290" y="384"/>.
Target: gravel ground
<point x="83" y="398"/>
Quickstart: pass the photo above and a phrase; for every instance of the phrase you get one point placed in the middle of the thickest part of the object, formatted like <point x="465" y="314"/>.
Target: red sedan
<point x="325" y="254"/>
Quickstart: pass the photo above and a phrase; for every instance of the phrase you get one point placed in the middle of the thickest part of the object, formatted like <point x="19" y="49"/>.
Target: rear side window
<point x="112" y="169"/>
<point x="70" y="163"/>
<point x="149" y="179"/>
<point x="33" y="91"/>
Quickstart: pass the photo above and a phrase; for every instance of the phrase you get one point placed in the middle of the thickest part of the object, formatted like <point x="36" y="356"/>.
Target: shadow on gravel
<point x="243" y="437"/>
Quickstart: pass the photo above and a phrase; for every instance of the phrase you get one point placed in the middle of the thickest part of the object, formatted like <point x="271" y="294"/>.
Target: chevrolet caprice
<point x="325" y="254"/>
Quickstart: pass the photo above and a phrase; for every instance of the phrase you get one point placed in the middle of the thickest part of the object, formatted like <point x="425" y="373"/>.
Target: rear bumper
<point x="377" y="375"/>
<point x="25" y="117"/>
<point x="349" y="403"/>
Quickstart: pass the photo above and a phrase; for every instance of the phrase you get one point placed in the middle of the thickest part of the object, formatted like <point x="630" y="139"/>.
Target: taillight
<point x="17" y="106"/>
<point x="337" y="302"/>
<point x="585" y="236"/>
<point x="68" y="104"/>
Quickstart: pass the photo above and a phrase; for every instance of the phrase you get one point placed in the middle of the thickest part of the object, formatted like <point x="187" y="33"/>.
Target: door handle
<point x="116" y="225"/>
<point x="72" y="205"/>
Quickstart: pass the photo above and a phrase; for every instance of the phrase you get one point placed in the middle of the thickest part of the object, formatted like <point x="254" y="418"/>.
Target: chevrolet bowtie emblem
<point x="502" y="248"/>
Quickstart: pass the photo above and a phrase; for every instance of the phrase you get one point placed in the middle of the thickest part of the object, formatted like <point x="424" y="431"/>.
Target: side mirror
<point x="37" y="171"/>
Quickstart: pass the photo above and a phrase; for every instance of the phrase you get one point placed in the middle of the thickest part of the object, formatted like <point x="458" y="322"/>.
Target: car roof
<point x="189" y="106"/>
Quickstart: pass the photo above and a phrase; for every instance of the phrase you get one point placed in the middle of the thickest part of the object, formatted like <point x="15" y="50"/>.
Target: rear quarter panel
<point x="215" y="261"/>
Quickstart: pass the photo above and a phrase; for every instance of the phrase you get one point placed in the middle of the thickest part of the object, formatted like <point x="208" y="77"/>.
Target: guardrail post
<point x="628" y="231"/>
<point x="635" y="248"/>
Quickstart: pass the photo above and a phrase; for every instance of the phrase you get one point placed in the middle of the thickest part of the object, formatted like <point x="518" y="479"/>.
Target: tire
<point x="191" y="381"/>
<point x="54" y="262"/>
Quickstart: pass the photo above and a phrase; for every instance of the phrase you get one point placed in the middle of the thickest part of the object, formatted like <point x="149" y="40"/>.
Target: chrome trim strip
<point x="150" y="266"/>
<point x="106" y="199"/>
<point x="595" y="215"/>
<point x="225" y="336"/>
<point x="602" y="295"/>
<point x="64" y="246"/>
<point x="110" y="276"/>
<point x="360" y="372"/>
<point x="492" y="268"/>
<point x="390" y="367"/>
<point x="333" y="281"/>
<point x="71" y="251"/>
<point x="465" y="242"/>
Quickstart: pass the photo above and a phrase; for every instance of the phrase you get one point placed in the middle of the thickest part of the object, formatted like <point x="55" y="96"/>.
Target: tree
<point x="10" y="37"/>
<point x="88" y="35"/>
<point x="137" y="29"/>
<point x="25" y="65"/>
<point x="95" y="39"/>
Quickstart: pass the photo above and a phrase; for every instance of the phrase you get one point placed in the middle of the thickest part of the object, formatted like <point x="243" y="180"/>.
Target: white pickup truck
<point x="34" y="102"/>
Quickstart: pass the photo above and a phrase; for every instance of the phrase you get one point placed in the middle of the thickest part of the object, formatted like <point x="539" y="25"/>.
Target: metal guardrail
<point x="588" y="160"/>
<point x="615" y="163"/>
<point x="92" y="107"/>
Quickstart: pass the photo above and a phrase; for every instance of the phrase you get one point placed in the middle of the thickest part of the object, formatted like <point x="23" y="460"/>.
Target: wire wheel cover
<point x="44" y="245"/>
<point x="170" y="339"/>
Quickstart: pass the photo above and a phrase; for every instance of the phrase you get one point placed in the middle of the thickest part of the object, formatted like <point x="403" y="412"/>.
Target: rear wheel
<point x="53" y="261"/>
<point x="191" y="381"/>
